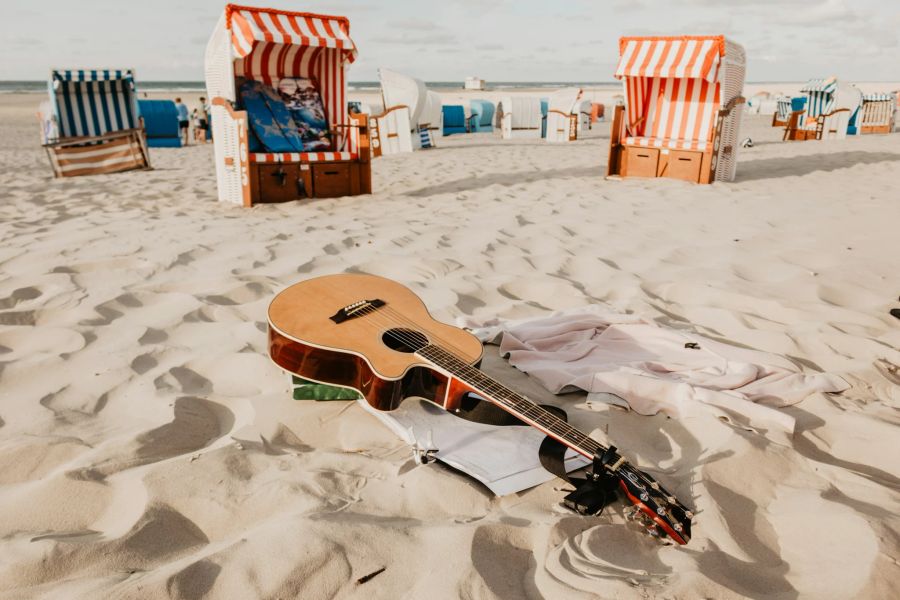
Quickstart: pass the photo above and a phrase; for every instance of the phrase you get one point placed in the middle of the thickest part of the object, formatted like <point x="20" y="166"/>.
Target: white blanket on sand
<point x="654" y="368"/>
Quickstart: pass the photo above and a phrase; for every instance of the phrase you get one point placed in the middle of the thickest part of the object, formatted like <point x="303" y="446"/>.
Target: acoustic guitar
<point x="376" y="336"/>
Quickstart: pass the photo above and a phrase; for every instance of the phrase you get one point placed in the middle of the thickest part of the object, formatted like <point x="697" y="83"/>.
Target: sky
<point x="447" y="40"/>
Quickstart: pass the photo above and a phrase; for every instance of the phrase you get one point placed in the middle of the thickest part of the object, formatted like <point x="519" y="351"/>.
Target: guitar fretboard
<point x="511" y="401"/>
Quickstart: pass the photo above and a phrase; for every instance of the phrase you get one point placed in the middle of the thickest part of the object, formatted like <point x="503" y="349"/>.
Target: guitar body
<point x="364" y="353"/>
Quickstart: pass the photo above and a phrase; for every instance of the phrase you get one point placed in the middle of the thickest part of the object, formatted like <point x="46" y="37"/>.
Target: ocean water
<point x="18" y="87"/>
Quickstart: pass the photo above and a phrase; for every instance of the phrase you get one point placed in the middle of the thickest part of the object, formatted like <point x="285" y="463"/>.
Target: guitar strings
<point x="531" y="410"/>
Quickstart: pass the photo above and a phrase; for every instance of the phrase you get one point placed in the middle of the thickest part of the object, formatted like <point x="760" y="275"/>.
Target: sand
<point x="149" y="449"/>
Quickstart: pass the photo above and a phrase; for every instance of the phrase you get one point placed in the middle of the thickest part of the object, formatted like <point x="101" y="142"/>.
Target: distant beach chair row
<point x="831" y="110"/>
<point x="283" y="129"/>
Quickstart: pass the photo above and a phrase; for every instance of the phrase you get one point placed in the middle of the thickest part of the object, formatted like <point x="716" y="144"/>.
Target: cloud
<point x="26" y="42"/>
<point x="415" y="39"/>
<point x="490" y="47"/>
<point x="414" y="24"/>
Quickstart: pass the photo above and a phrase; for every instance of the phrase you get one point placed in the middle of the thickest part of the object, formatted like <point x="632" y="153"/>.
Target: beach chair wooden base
<point x="887" y="128"/>
<point x="686" y="165"/>
<point x="112" y="152"/>
<point x="776" y="122"/>
<point x="284" y="182"/>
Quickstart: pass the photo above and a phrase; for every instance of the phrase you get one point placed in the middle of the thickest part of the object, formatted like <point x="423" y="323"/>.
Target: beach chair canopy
<point x="92" y="102"/>
<point x="822" y="97"/>
<point x="398" y="89"/>
<point x="675" y="85"/>
<point x="268" y="45"/>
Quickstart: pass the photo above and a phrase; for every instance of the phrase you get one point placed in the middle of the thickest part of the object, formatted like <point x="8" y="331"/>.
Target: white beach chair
<point x="562" y="119"/>
<point x="419" y="125"/>
<point x="520" y="117"/>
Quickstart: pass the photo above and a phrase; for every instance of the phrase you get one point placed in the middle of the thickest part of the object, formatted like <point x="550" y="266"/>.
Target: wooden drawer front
<point x="685" y="164"/>
<point x="331" y="180"/>
<point x="641" y="162"/>
<point x="278" y="183"/>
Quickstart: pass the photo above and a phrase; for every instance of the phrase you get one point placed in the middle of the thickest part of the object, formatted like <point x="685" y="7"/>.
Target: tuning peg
<point x="671" y="499"/>
<point x="677" y="527"/>
<point x="645" y="496"/>
<point x="654" y="485"/>
<point x="689" y="514"/>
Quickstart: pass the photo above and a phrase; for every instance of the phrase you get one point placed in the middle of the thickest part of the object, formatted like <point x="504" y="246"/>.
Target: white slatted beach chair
<point x="409" y="112"/>
<point x="783" y="111"/>
<point x="267" y="45"/>
<point x="582" y="111"/>
<point x="520" y="117"/>
<point x="92" y="125"/>
<point x="878" y="113"/>
<point x="683" y="108"/>
<point x="562" y="117"/>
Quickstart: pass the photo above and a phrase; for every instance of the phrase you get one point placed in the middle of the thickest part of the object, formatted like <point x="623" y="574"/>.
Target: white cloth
<point x="651" y="369"/>
<point x="505" y="459"/>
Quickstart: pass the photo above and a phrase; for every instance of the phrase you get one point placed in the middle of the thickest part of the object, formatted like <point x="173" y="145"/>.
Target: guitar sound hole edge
<point x="404" y="340"/>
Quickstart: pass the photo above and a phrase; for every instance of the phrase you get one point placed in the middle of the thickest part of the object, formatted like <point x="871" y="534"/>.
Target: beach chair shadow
<point x="797" y="166"/>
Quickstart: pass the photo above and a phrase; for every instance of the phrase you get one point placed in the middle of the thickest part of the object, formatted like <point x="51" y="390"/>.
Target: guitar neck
<point x="512" y="402"/>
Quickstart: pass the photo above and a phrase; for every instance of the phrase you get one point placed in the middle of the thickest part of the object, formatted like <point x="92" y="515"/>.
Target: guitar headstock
<point x="658" y="510"/>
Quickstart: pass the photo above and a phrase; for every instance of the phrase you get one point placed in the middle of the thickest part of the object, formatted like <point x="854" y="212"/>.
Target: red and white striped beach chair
<point x="683" y="99"/>
<point x="267" y="45"/>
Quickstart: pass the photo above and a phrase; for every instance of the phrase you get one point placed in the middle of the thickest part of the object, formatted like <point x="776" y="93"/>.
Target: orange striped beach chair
<point x="267" y="45"/>
<point x="683" y="106"/>
<point x="91" y="124"/>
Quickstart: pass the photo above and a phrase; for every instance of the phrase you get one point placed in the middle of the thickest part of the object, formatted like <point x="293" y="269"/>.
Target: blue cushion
<point x="482" y="115"/>
<point x="305" y="104"/>
<point x="454" y="119"/>
<point x="269" y="118"/>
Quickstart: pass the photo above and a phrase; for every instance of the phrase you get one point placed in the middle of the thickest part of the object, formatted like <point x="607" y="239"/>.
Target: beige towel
<point x="654" y="368"/>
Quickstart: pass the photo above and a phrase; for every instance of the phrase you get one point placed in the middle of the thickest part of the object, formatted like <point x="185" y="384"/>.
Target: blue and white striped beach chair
<point x="782" y="111"/>
<point x="96" y="126"/>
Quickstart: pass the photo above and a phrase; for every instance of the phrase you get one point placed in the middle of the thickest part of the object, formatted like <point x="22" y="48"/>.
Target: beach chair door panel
<point x="641" y="162"/>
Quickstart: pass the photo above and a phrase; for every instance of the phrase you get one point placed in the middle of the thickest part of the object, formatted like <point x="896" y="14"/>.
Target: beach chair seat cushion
<point x="454" y="119"/>
<point x="290" y="157"/>
<point x="656" y="142"/>
<point x="303" y="100"/>
<point x="270" y="120"/>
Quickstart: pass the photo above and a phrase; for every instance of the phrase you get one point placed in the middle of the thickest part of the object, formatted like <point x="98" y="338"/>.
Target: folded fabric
<point x="305" y="105"/>
<point x="653" y="368"/>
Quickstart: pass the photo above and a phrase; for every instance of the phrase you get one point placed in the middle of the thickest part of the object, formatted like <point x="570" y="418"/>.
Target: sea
<point x="19" y="87"/>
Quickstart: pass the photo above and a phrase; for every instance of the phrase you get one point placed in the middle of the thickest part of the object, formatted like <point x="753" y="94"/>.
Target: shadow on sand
<point x="771" y="168"/>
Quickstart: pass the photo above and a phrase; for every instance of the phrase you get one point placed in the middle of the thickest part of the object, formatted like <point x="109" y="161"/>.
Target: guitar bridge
<point x="351" y="311"/>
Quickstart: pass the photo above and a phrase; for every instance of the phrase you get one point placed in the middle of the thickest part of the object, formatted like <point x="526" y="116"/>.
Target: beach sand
<point x="149" y="449"/>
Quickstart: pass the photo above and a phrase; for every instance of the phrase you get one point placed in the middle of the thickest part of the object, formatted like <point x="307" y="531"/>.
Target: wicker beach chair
<point x="684" y="106"/>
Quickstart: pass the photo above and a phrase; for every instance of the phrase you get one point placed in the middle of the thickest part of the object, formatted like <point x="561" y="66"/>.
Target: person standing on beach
<point x="203" y="114"/>
<point x="184" y="120"/>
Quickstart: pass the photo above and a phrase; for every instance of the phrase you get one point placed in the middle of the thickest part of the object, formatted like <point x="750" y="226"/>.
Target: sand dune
<point x="151" y="450"/>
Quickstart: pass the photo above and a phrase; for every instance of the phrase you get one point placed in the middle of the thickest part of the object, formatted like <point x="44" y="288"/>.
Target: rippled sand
<point x="151" y="450"/>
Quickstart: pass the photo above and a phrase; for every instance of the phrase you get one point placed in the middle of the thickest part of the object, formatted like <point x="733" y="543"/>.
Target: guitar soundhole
<point x="404" y="340"/>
